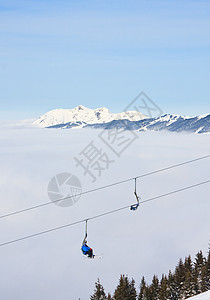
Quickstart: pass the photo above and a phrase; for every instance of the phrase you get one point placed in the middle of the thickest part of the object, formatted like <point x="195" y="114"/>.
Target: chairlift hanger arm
<point x="85" y="238"/>
<point x="137" y="197"/>
<point x="135" y="206"/>
<point x="135" y="192"/>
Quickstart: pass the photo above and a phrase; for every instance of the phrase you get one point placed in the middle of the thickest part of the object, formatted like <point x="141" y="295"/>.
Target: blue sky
<point x="59" y="54"/>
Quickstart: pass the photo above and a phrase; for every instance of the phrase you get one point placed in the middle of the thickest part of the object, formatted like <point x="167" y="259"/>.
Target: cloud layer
<point x="148" y="241"/>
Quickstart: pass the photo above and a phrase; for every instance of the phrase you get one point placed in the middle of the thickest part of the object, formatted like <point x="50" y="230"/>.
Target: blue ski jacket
<point x="85" y="248"/>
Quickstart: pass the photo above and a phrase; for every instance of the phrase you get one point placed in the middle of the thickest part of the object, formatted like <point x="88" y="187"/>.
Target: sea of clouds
<point x="145" y="242"/>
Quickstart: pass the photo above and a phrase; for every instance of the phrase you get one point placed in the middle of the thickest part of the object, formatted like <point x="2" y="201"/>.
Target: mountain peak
<point x="80" y="107"/>
<point x="81" y="114"/>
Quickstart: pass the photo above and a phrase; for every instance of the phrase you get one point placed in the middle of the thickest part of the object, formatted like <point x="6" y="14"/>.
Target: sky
<point x="138" y="243"/>
<point x="59" y="54"/>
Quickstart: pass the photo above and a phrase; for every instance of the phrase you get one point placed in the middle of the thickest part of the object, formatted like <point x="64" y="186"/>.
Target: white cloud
<point x="150" y="240"/>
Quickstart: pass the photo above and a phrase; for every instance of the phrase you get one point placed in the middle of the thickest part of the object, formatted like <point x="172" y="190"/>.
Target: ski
<point x="97" y="256"/>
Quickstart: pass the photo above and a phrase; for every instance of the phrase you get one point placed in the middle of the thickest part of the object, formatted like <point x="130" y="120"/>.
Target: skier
<point x="87" y="250"/>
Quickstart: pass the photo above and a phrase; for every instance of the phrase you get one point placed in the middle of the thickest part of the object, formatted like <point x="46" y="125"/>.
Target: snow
<point x="203" y="296"/>
<point x="195" y="116"/>
<point x="199" y="129"/>
<point x="84" y="114"/>
<point x="203" y="116"/>
<point x="170" y="119"/>
<point x="148" y="241"/>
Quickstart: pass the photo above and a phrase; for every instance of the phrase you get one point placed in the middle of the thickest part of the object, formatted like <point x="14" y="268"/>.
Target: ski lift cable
<point x="103" y="187"/>
<point x="101" y="215"/>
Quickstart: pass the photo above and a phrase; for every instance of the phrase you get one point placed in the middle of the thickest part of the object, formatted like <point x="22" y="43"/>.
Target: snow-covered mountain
<point x="132" y="120"/>
<point x="81" y="115"/>
<point x="200" y="124"/>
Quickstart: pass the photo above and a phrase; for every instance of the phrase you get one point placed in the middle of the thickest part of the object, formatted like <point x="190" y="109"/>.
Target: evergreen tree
<point x="121" y="291"/>
<point x="99" y="293"/>
<point x="154" y="288"/>
<point x="164" y="292"/>
<point x="179" y="278"/>
<point x="199" y="272"/>
<point x="208" y="271"/>
<point x="188" y="283"/>
<point x="172" y="286"/>
<point x="143" y="290"/>
<point x="204" y="278"/>
<point x="125" y="289"/>
<point x="109" y="297"/>
<point x="132" y="289"/>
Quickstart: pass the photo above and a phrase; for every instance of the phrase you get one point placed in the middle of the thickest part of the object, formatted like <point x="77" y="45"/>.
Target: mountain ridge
<point x="82" y="117"/>
<point x="83" y="114"/>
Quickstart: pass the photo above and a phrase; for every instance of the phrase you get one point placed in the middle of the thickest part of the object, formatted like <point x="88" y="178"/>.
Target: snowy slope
<point x="199" y="124"/>
<point x="203" y="296"/>
<point x="81" y="115"/>
<point x="174" y="123"/>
